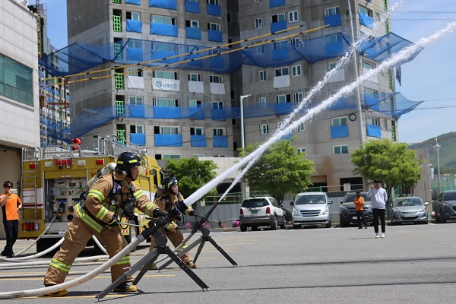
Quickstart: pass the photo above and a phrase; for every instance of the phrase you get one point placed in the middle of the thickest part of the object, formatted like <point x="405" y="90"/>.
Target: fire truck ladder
<point x="29" y="178"/>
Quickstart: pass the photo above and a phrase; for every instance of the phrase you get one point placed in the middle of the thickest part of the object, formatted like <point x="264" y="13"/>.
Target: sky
<point x="430" y="77"/>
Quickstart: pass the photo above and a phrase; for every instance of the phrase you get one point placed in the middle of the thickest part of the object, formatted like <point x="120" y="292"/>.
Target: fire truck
<point x="54" y="179"/>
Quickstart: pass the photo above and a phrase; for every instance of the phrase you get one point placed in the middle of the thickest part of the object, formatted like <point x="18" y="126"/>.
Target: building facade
<point x="177" y="74"/>
<point x="19" y="125"/>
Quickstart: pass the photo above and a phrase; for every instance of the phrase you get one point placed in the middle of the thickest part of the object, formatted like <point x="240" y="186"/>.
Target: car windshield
<point x="351" y="198"/>
<point x="255" y="203"/>
<point x="407" y="202"/>
<point x="449" y="196"/>
<point x="311" y="199"/>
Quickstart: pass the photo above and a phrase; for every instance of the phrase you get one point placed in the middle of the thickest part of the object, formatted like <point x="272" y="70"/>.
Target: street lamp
<point x="242" y="121"/>
<point x="437" y="149"/>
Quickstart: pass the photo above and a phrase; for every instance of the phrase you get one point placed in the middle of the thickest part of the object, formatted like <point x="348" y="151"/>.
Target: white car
<point x="261" y="211"/>
<point x="311" y="209"/>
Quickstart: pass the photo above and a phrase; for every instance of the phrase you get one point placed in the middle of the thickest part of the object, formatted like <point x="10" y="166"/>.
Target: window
<point x="195" y="103"/>
<point x="261" y="75"/>
<point x="217" y="105"/>
<point x="213" y="26"/>
<point x="339" y="121"/>
<point x="192" y="23"/>
<point x="136" y="100"/>
<point x="262" y="102"/>
<point x="264" y="129"/>
<point x="220" y="155"/>
<point x="298" y="97"/>
<point x="373" y="121"/>
<point x="295" y="42"/>
<point x="368" y="65"/>
<point x="366" y="11"/>
<point x="134" y="72"/>
<point x="219" y="132"/>
<point x="169" y="130"/>
<point x="135" y="44"/>
<point x="258" y="22"/>
<point x="137" y="129"/>
<point x="333" y="38"/>
<point x="194" y="77"/>
<point x="301" y="150"/>
<point x="165" y="102"/>
<point x="384" y="123"/>
<point x="278" y="17"/>
<point x="281" y="72"/>
<point x="165" y="74"/>
<point x="216" y="79"/>
<point x="340" y="149"/>
<point x="283" y="98"/>
<point x="163" y="19"/>
<point x="370" y="93"/>
<point x="198" y="155"/>
<point x="171" y="156"/>
<point x="332" y="11"/>
<point x="280" y="45"/>
<point x="293" y="16"/>
<point x="197" y="131"/>
<point x="133" y="16"/>
<point x="301" y="127"/>
<point x="332" y="65"/>
<point x="296" y="71"/>
<point x="214" y="2"/>
<point x="260" y="49"/>
<point x="16" y="81"/>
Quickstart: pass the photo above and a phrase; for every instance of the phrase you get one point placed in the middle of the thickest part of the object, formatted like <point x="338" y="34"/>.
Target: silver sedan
<point x="409" y="210"/>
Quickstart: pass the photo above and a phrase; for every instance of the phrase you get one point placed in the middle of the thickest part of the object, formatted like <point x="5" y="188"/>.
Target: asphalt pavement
<point x="412" y="264"/>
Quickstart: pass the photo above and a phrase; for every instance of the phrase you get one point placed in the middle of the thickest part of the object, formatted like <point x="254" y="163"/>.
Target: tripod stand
<point x="146" y="262"/>
<point x="201" y="241"/>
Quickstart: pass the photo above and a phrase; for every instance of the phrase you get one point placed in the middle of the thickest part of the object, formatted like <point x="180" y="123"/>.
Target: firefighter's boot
<point x="153" y="267"/>
<point x="125" y="287"/>
<point x="60" y="293"/>
<point x="191" y="264"/>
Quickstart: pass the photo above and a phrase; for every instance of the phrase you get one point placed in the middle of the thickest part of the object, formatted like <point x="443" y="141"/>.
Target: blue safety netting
<point x="79" y="57"/>
<point x="393" y="104"/>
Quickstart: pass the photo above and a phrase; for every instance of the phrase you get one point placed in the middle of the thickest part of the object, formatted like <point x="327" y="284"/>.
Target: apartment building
<point x="169" y="76"/>
<point x="172" y="111"/>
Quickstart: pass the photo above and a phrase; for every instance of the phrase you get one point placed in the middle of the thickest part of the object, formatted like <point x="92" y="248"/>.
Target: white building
<point x="19" y="114"/>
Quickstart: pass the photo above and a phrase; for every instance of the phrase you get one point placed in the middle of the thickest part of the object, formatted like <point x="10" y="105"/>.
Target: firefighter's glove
<point x="191" y="212"/>
<point x="113" y="223"/>
<point x="174" y="214"/>
<point x="171" y="226"/>
<point x="159" y="213"/>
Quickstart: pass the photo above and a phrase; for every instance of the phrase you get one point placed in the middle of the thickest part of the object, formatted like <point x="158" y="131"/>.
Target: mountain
<point x="447" y="156"/>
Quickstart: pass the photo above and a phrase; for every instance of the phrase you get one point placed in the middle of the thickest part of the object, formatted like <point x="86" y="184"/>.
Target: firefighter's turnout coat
<point x="92" y="218"/>
<point x="168" y="202"/>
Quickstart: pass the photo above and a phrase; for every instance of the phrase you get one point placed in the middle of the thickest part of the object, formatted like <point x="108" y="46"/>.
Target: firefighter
<point x="111" y="195"/>
<point x="171" y="200"/>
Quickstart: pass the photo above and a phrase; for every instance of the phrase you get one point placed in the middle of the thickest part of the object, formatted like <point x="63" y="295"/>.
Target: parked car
<point x="347" y="212"/>
<point x="310" y="209"/>
<point x="409" y="210"/>
<point x="445" y="206"/>
<point x="261" y="211"/>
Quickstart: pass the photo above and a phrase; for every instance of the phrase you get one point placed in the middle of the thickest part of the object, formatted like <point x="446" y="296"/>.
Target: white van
<point x="311" y="209"/>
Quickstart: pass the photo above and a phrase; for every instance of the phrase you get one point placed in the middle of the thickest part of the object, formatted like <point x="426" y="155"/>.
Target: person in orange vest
<point x="11" y="204"/>
<point x="359" y="207"/>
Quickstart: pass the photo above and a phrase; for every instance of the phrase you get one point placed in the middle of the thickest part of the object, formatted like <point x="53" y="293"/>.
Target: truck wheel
<point x="442" y="217"/>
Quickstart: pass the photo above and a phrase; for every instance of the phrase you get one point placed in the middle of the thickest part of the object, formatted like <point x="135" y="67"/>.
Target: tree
<point x="192" y="174"/>
<point x="393" y="163"/>
<point x="280" y="170"/>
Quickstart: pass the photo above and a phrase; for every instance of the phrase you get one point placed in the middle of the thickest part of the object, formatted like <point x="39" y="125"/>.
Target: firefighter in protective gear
<point x="170" y="201"/>
<point x="98" y="216"/>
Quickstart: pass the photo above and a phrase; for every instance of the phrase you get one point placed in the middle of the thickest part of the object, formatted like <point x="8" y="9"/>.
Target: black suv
<point x="445" y="206"/>
<point x="347" y="210"/>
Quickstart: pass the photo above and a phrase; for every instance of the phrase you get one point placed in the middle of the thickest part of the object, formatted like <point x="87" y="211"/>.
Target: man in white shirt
<point x="379" y="197"/>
